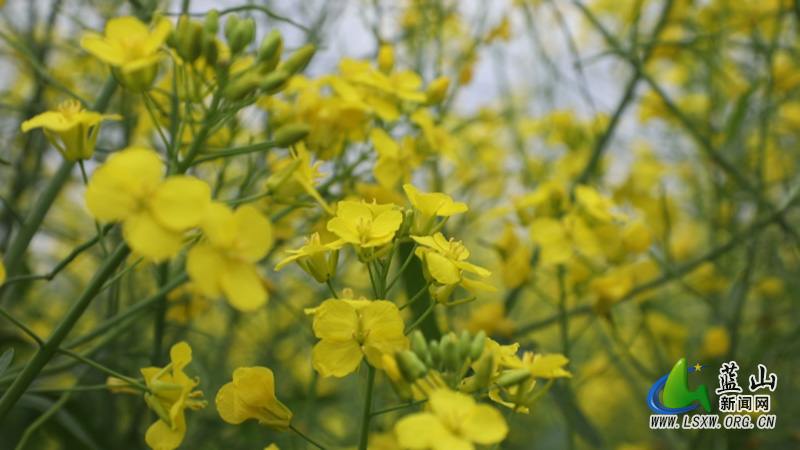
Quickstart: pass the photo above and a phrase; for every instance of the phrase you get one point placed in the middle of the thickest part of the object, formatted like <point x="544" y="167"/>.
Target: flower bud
<point x="436" y="355"/>
<point x="211" y="24"/>
<point x="274" y="81"/>
<point x="484" y="371"/>
<point x="120" y="386"/>
<point x="231" y="25"/>
<point x="299" y="59"/>
<point x="188" y="39"/>
<point x="437" y="90"/>
<point x="242" y="86"/>
<point x="513" y="377"/>
<point x="288" y="135"/>
<point x="478" y="343"/>
<point x="386" y="58"/>
<point x="464" y="343"/>
<point x="270" y="50"/>
<point x="419" y="346"/>
<point x="399" y="385"/>
<point x="449" y="353"/>
<point x="410" y="365"/>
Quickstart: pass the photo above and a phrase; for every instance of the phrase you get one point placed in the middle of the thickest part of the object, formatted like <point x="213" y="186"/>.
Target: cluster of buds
<point x="268" y="74"/>
<point x="436" y="364"/>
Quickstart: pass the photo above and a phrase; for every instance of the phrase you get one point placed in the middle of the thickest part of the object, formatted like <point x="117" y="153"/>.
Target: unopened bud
<point x="464" y="342"/>
<point x="437" y="90"/>
<point x="120" y="386"/>
<point x="449" y="353"/>
<point x="211" y="24"/>
<point x="288" y="135"/>
<point x="189" y="38"/>
<point x="436" y="354"/>
<point x="270" y="46"/>
<point x="513" y="377"/>
<point x="410" y="365"/>
<point x="299" y="59"/>
<point x="242" y="86"/>
<point x="419" y="346"/>
<point x="386" y="58"/>
<point x="231" y="25"/>
<point x="484" y="371"/>
<point x="274" y="81"/>
<point x="478" y="343"/>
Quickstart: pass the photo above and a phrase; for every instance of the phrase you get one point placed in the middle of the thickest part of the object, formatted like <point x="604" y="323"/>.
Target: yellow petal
<point x="419" y="431"/>
<point x="242" y="286"/>
<point x="442" y="269"/>
<point x="180" y="354"/>
<point x="204" y="265"/>
<point x="335" y="319"/>
<point x="100" y="48"/>
<point x="125" y="28"/>
<point x="116" y="187"/>
<point x="147" y="237"/>
<point x="218" y="225"/>
<point x="484" y="425"/>
<point x="161" y="437"/>
<point x="225" y="402"/>
<point x="336" y="358"/>
<point x="180" y="202"/>
<point x="344" y="230"/>
<point x="253" y="233"/>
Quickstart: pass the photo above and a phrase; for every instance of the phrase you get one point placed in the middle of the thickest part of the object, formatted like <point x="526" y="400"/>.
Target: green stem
<point x="366" y="411"/>
<point x="416" y="296"/>
<point x="330" y="286"/>
<point x="304" y="436"/>
<point x="398" y="407"/>
<point x="62" y="329"/>
<point x="105" y="370"/>
<point x="422" y="317"/>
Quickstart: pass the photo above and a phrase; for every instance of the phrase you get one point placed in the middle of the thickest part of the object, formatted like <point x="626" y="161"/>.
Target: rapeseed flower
<point x="76" y="128"/>
<point x="225" y="262"/>
<point x="445" y="262"/>
<point x="429" y="207"/>
<point x="251" y="395"/>
<point x="154" y="212"/>
<point x="317" y="259"/>
<point x="353" y="329"/>
<point x="171" y="392"/>
<point x="454" y="421"/>
<point x="131" y="49"/>
<point x="366" y="225"/>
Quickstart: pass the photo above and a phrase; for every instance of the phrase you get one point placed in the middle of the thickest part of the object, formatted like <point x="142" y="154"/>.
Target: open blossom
<point x="251" y="395"/>
<point x="445" y="261"/>
<point x="225" y="263"/>
<point x="154" y="212"/>
<point x="454" y="421"/>
<point x="171" y="393"/>
<point x="131" y="49"/>
<point x="76" y="128"/>
<point x="318" y="259"/>
<point x="365" y="224"/>
<point x="429" y="207"/>
<point x="352" y="329"/>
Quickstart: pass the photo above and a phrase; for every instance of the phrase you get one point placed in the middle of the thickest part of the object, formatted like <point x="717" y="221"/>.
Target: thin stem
<point x="402" y="269"/>
<point x="398" y="407"/>
<point x="366" y="411"/>
<point x="422" y="317"/>
<point x="105" y="369"/>
<point x="416" y="296"/>
<point x="307" y="438"/>
<point x="330" y="287"/>
<point x="22" y="327"/>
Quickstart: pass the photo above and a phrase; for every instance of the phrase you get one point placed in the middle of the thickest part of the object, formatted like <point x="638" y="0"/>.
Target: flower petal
<point x="242" y="285"/>
<point x="253" y="233"/>
<point x="147" y="237"/>
<point x="204" y="265"/>
<point x="335" y="319"/>
<point x="484" y="425"/>
<point x="336" y="358"/>
<point x="180" y="202"/>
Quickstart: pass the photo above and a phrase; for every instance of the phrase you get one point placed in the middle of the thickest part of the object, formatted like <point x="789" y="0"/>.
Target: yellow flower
<point x="395" y="161"/>
<point x="131" y="49"/>
<point x="171" y="393"/>
<point x="445" y="261"/>
<point x="365" y="224"/>
<point x="455" y="421"/>
<point x="225" y="263"/>
<point x="716" y="342"/>
<point x="352" y="329"/>
<point x="431" y="206"/>
<point x="72" y="124"/>
<point x="312" y="258"/>
<point x="154" y="212"/>
<point x="251" y="395"/>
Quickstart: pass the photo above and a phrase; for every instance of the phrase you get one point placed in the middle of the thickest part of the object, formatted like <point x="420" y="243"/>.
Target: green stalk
<point x="51" y="345"/>
<point x="366" y="411"/>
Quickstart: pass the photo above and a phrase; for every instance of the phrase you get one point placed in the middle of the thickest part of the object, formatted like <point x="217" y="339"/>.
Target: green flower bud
<point x="483" y="373"/>
<point x="476" y="348"/>
<point x="242" y="86"/>
<point x="274" y="81"/>
<point x="419" y="346"/>
<point x="513" y="377"/>
<point x="289" y="134"/>
<point x="449" y="353"/>
<point x="189" y="39"/>
<point x="299" y="59"/>
<point x="410" y="365"/>
<point x="270" y="46"/>
<point x="211" y="25"/>
<point x="436" y="355"/>
<point x="464" y="342"/>
<point x="231" y="25"/>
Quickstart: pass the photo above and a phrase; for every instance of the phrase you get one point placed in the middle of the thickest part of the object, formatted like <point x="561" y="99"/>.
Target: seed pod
<point x="299" y="59"/>
<point x="464" y="342"/>
<point x="410" y="366"/>
<point x="289" y="134"/>
<point x="513" y="377"/>
<point x="478" y="343"/>
<point x="419" y="346"/>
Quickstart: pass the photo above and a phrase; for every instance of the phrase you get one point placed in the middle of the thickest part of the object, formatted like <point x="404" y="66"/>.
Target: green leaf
<point x="5" y="360"/>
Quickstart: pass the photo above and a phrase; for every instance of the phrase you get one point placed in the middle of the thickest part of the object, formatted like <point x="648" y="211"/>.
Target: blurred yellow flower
<point x="131" y="49"/>
<point x="154" y="213"/>
<point x="170" y="394"/>
<point x="455" y="421"/>
<point x="445" y="261"/>
<point x="77" y="128"/>
<point x="365" y="224"/>
<point x="430" y="206"/>
<point x="251" y="395"/>
<point x="352" y="329"/>
<point x="395" y="162"/>
<point x="225" y="263"/>
<point x="716" y="342"/>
